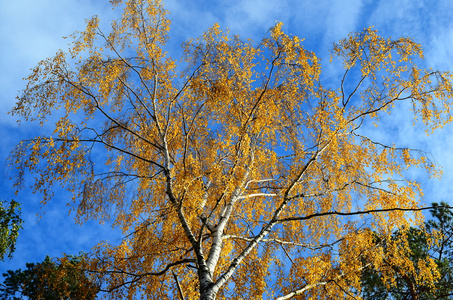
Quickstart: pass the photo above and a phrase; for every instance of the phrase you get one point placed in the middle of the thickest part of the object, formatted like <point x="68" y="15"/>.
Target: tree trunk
<point x="208" y="290"/>
<point x="208" y="295"/>
<point x="412" y="289"/>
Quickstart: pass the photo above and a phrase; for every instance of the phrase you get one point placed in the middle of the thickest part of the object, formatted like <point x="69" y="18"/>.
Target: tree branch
<point x="362" y="212"/>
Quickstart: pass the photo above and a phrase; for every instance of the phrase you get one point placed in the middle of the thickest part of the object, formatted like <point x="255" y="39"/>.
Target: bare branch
<point x="363" y="212"/>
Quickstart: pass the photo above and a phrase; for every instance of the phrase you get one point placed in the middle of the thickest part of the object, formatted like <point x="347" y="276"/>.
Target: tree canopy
<point x="10" y="224"/>
<point x="433" y="240"/>
<point x="49" y="280"/>
<point x="238" y="172"/>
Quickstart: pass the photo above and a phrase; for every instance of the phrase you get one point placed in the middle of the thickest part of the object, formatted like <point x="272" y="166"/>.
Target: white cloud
<point x="427" y="22"/>
<point x="439" y="49"/>
<point x="33" y="30"/>
<point x="342" y="19"/>
<point x="251" y="18"/>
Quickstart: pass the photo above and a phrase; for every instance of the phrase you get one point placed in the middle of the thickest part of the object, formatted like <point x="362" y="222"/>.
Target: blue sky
<point x="31" y="30"/>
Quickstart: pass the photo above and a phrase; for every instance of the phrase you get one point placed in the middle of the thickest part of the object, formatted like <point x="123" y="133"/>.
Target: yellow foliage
<point x="239" y="173"/>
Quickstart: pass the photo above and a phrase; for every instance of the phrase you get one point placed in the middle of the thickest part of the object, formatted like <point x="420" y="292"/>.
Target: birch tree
<point x="235" y="172"/>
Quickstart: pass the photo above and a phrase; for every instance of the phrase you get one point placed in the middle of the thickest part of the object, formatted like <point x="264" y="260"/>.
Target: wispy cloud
<point x="33" y="30"/>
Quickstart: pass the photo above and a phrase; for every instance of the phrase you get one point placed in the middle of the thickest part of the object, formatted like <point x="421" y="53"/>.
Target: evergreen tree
<point x="63" y="279"/>
<point x="433" y="241"/>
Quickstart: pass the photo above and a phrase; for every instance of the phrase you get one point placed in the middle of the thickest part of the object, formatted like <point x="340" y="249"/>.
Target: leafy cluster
<point x="49" y="280"/>
<point x="430" y="243"/>
<point x="10" y="224"/>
